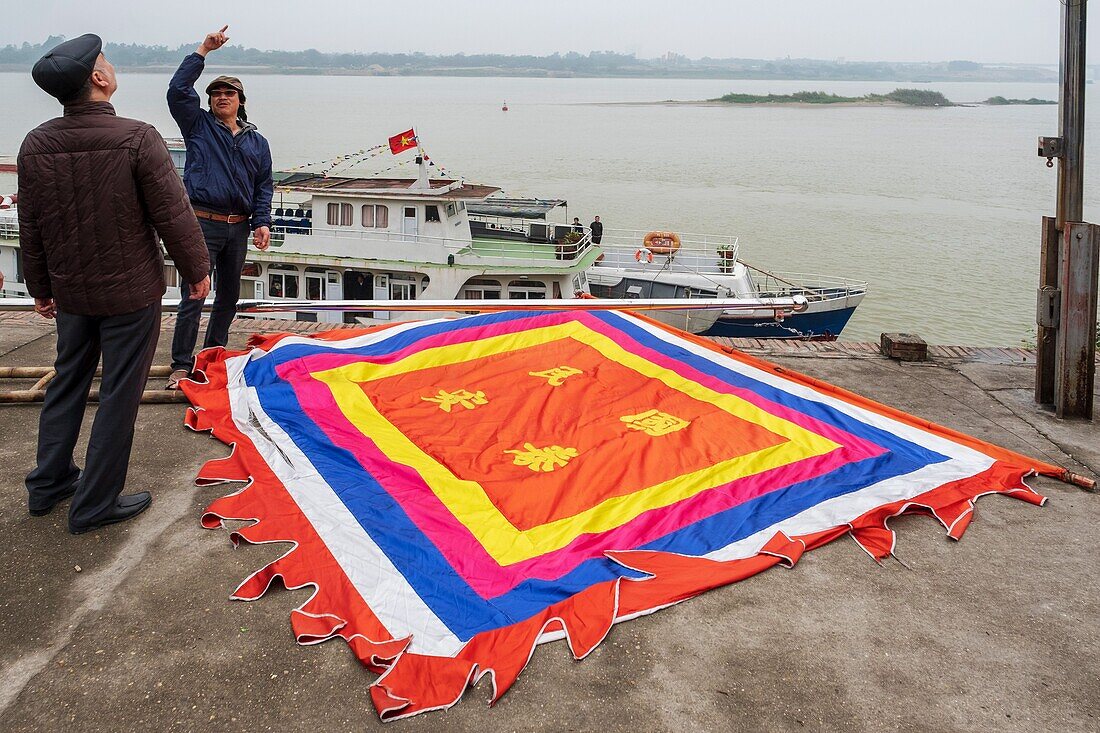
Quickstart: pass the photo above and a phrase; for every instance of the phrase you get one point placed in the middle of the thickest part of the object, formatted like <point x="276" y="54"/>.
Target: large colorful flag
<point x="459" y="491"/>
<point x="403" y="141"/>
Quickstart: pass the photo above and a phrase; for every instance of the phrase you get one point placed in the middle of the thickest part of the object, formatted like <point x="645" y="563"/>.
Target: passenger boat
<point x="344" y="238"/>
<point x="641" y="265"/>
<point x="708" y="266"/>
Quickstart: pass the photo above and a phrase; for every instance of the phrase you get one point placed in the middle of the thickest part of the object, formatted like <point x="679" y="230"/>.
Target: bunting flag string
<point x="343" y="163"/>
<point x="443" y="170"/>
<point x="393" y="167"/>
<point x="358" y="155"/>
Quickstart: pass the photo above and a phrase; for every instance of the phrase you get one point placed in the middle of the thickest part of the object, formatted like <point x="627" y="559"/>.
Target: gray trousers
<point x="127" y="343"/>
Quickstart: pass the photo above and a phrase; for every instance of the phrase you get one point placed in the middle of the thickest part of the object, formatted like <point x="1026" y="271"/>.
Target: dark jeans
<point x="227" y="244"/>
<point x="127" y="343"/>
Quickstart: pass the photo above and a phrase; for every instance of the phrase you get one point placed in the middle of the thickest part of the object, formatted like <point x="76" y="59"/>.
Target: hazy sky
<point x="1024" y="31"/>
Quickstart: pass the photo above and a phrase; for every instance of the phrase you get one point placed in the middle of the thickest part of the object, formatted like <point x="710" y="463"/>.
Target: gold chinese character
<point x="556" y="377"/>
<point x="466" y="398"/>
<point x="655" y="423"/>
<point x="543" y="459"/>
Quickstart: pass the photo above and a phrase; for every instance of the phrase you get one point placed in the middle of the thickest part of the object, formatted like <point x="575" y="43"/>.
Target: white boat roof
<point x="440" y="189"/>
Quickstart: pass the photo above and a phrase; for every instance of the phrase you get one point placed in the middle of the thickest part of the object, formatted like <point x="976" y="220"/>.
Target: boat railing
<point x="505" y="236"/>
<point x="9" y="229"/>
<point x="770" y="283"/>
<point x="688" y="241"/>
<point x="425" y="248"/>
<point x="706" y="254"/>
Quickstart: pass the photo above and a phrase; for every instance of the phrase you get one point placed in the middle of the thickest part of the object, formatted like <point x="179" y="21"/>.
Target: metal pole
<point x="1075" y="343"/>
<point x="1071" y="113"/>
<point x="1066" y="311"/>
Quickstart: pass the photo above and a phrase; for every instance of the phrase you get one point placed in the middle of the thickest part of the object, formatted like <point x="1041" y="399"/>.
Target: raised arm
<point x="166" y="201"/>
<point x="183" y="101"/>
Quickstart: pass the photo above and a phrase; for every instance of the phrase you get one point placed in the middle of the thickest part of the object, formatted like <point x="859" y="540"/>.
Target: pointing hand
<point x="213" y="41"/>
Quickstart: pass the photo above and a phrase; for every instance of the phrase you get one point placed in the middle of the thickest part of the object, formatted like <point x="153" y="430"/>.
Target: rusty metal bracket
<point x="1048" y="307"/>
<point x="1051" y="148"/>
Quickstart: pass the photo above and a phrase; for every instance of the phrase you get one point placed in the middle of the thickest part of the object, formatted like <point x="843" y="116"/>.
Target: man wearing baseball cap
<point x="228" y="179"/>
<point x="95" y="191"/>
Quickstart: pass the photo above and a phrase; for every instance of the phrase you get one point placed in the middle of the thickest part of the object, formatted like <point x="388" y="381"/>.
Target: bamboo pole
<point x="45" y="375"/>
<point x="148" y="397"/>
<point x="38" y="372"/>
<point x="46" y="379"/>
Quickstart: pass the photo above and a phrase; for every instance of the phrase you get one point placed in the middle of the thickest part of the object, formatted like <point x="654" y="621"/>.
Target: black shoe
<point x="127" y="507"/>
<point x="60" y="498"/>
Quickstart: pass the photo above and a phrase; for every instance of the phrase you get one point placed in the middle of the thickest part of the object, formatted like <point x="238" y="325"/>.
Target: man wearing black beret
<point x="95" y="190"/>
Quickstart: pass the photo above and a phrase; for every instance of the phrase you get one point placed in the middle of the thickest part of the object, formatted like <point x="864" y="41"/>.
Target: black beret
<point x="66" y="67"/>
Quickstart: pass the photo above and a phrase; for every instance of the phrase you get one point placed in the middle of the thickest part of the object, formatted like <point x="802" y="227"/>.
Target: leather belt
<point x="224" y="218"/>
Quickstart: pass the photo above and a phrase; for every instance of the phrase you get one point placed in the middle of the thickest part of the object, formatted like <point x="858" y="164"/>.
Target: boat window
<point x="376" y="216"/>
<point x="250" y="269"/>
<point x="281" y="283"/>
<point x="339" y="215"/>
<point x="481" y="289"/>
<point x="431" y="213"/>
<point x="402" y="286"/>
<point x="526" y="290"/>
<point x="451" y="209"/>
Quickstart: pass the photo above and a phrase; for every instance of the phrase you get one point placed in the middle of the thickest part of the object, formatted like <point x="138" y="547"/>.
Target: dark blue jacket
<point x="224" y="173"/>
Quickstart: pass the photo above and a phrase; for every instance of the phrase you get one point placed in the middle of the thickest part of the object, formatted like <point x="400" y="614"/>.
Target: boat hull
<point x="824" y="325"/>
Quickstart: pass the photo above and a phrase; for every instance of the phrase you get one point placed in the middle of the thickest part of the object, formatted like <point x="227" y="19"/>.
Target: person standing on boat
<point x="577" y="226"/>
<point x="95" y="191"/>
<point x="597" y="230"/>
<point x="228" y="179"/>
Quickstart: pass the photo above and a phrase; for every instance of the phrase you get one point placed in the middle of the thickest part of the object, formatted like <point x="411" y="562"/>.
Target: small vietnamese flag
<point x="405" y="141"/>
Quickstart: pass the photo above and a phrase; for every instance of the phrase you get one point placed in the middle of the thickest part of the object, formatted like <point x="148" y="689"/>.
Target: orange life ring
<point x="662" y="243"/>
<point x="643" y="255"/>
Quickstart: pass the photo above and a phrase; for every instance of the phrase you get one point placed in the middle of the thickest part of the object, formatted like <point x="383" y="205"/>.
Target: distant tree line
<point x="596" y="63"/>
<point x="998" y="101"/>
<point x="910" y="97"/>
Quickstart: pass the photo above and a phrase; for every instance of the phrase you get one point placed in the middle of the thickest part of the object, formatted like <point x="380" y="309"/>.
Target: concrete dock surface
<point x="130" y="628"/>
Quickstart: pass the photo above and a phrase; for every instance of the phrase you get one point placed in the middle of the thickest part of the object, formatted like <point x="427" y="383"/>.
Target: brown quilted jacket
<point x="95" y="190"/>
